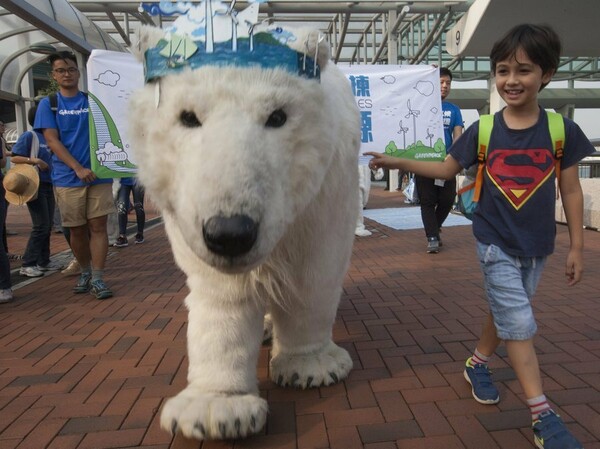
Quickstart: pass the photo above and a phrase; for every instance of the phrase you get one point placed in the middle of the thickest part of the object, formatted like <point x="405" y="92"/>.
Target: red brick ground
<point x="80" y="373"/>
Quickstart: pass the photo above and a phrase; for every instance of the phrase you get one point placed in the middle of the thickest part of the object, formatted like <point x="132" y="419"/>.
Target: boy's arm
<point x="447" y="169"/>
<point x="456" y="133"/>
<point x="572" y="199"/>
<point x="57" y="147"/>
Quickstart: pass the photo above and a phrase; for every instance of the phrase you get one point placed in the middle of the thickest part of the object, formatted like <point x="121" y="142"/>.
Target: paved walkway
<point x="80" y="373"/>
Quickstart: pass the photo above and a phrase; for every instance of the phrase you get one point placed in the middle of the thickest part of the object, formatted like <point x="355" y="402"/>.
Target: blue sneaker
<point x="480" y="377"/>
<point x="99" y="289"/>
<point x="83" y="283"/>
<point x="549" y="432"/>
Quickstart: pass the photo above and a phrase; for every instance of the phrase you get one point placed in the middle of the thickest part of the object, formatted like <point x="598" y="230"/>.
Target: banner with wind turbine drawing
<point x="401" y="110"/>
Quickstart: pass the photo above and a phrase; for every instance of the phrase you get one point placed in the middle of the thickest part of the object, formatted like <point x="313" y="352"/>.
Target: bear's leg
<point x="304" y="355"/>
<point x="221" y="399"/>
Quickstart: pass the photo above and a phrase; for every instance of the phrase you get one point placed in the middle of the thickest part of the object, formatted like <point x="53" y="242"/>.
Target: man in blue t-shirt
<point x="84" y="201"/>
<point x="436" y="196"/>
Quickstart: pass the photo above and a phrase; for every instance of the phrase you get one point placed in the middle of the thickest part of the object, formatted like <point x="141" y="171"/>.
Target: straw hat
<point x="21" y="183"/>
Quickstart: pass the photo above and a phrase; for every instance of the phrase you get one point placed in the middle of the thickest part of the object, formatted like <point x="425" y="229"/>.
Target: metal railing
<point x="590" y="166"/>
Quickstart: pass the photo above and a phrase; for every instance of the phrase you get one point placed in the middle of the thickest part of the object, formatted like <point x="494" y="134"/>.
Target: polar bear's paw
<point x="208" y="416"/>
<point x="326" y="367"/>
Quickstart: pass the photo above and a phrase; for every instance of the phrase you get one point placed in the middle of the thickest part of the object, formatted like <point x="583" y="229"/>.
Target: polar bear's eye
<point x="276" y="119"/>
<point x="189" y="119"/>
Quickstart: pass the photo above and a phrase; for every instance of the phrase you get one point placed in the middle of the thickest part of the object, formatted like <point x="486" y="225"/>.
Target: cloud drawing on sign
<point x="388" y="79"/>
<point x="424" y="88"/>
<point x="108" y="78"/>
<point x="110" y="153"/>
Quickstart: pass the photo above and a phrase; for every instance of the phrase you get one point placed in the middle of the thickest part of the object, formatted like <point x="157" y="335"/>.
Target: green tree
<point x="52" y="87"/>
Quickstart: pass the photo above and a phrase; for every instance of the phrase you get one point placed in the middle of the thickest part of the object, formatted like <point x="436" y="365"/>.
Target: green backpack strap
<point x="556" y="125"/>
<point x="486" y="123"/>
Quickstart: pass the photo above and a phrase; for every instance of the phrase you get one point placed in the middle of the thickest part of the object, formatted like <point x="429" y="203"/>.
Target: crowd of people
<point x="52" y="165"/>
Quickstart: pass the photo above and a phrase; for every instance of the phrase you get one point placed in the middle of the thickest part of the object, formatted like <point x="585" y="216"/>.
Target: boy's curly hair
<point x="540" y="42"/>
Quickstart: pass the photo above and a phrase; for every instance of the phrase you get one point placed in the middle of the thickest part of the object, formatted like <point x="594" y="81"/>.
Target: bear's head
<point x="234" y="154"/>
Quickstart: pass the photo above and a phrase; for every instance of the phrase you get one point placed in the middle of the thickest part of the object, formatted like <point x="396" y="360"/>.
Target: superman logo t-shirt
<point x="516" y="210"/>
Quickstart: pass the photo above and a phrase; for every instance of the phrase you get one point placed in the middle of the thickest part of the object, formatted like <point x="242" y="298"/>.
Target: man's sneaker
<point x="121" y="242"/>
<point x="72" y="269"/>
<point x="6" y="295"/>
<point x="549" y="432"/>
<point x="433" y="245"/>
<point x="139" y="238"/>
<point x="52" y="266"/>
<point x="31" y="272"/>
<point x="480" y="377"/>
<point x="99" y="289"/>
<point x="83" y="283"/>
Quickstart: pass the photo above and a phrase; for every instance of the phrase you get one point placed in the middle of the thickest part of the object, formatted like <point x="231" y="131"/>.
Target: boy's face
<point x="445" y="84"/>
<point x="66" y="73"/>
<point x="518" y="80"/>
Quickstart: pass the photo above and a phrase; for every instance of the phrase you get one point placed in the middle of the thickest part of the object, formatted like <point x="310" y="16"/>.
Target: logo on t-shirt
<point x="519" y="173"/>
<point x="73" y="111"/>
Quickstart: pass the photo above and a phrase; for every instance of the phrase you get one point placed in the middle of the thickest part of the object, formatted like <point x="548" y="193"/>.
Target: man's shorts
<point x="510" y="283"/>
<point x="77" y="205"/>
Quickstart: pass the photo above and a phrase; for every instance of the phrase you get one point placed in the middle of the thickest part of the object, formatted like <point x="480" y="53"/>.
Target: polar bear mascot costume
<point x="253" y="166"/>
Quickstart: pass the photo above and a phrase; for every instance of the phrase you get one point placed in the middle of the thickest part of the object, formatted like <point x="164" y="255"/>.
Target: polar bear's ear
<point x="312" y="42"/>
<point x="146" y="37"/>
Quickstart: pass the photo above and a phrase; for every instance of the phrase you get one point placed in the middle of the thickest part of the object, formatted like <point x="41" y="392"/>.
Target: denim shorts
<point x="510" y="283"/>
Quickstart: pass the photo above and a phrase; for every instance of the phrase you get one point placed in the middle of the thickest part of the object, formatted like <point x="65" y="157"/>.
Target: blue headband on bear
<point x="191" y="43"/>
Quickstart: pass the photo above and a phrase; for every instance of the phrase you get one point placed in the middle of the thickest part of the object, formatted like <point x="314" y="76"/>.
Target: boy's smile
<point x="518" y="81"/>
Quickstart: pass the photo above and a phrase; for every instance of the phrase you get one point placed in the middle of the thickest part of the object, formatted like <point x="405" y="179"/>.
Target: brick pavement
<point x="80" y="373"/>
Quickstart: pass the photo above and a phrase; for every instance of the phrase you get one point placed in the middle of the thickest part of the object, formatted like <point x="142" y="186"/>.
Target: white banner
<point x="401" y="110"/>
<point x="112" y="77"/>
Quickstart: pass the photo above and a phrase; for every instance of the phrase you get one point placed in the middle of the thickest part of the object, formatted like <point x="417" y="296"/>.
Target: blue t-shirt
<point x="452" y="118"/>
<point x="22" y="147"/>
<point x="516" y="209"/>
<point x="71" y="121"/>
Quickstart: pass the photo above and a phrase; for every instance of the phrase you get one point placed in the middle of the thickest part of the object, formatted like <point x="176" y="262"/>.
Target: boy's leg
<point x="446" y="195"/>
<point x="99" y="205"/>
<point x="98" y="243"/>
<point x="489" y="341"/>
<point x="138" y="204"/>
<point x="122" y="207"/>
<point x="428" y="200"/>
<point x="525" y="363"/>
<point x="548" y="429"/>
<point x="476" y="370"/>
<point x="72" y="204"/>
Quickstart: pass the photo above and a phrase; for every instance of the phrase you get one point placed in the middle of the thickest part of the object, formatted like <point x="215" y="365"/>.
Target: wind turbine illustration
<point x="430" y="137"/>
<point x="414" y="114"/>
<point x="403" y="130"/>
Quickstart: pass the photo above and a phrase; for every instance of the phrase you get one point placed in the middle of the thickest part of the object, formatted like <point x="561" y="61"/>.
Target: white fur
<point x="298" y="182"/>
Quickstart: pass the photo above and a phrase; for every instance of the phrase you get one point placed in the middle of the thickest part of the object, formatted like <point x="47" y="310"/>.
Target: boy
<point x="84" y="201"/>
<point x="515" y="232"/>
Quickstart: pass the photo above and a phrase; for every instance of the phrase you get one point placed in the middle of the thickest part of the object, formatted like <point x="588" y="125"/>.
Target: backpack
<point x="470" y="188"/>
<point x="53" y="98"/>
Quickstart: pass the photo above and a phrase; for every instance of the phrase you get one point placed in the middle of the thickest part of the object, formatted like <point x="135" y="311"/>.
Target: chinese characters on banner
<point x="401" y="110"/>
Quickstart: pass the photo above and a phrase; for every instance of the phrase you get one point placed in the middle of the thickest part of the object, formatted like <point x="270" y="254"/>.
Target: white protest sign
<point x="112" y="77"/>
<point x="401" y="110"/>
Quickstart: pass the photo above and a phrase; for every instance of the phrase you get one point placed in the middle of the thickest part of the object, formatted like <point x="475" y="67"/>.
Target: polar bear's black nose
<point x="230" y="236"/>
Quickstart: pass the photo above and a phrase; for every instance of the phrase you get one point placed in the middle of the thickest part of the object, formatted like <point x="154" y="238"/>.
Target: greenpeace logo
<point x="428" y="155"/>
<point x="73" y="111"/>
